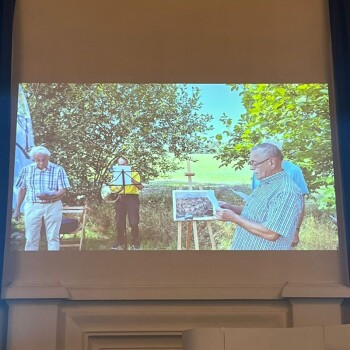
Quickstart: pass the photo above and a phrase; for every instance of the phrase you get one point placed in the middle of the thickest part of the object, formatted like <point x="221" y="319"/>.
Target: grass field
<point x="207" y="170"/>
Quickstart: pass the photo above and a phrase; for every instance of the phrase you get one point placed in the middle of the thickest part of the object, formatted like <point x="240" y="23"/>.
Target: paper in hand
<point x="241" y="194"/>
<point x="213" y="200"/>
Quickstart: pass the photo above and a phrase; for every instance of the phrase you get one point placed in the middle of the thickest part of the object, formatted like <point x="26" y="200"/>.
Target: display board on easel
<point x="192" y="205"/>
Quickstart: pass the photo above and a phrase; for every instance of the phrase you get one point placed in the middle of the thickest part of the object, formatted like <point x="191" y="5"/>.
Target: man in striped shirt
<point x="271" y="214"/>
<point x="296" y="174"/>
<point x="42" y="185"/>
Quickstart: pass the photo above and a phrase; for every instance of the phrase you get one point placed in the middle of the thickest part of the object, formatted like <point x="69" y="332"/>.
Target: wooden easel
<point x="192" y="224"/>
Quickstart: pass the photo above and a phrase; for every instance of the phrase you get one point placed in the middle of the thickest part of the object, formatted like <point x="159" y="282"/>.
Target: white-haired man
<point x="296" y="174"/>
<point x="42" y="185"/>
<point x="271" y="214"/>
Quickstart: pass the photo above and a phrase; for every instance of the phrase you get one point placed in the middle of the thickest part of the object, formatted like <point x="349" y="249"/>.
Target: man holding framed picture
<point x="271" y="214"/>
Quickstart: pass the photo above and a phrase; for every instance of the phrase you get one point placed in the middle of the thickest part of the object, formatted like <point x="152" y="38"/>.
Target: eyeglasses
<point x="254" y="164"/>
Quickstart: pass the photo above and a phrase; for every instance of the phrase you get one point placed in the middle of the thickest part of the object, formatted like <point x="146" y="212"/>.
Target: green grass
<point x="207" y="170"/>
<point x="318" y="232"/>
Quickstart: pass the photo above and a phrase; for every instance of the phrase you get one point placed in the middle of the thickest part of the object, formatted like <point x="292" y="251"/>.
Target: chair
<point x="67" y="235"/>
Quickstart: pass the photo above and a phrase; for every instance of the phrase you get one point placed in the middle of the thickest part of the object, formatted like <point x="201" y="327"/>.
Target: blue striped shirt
<point x="36" y="181"/>
<point x="276" y="204"/>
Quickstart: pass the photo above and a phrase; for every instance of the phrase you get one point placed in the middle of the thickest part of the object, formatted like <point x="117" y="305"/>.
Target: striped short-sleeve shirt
<point x="35" y="180"/>
<point x="276" y="204"/>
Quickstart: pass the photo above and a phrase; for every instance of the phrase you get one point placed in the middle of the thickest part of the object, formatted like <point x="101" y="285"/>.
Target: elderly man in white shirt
<point x="42" y="186"/>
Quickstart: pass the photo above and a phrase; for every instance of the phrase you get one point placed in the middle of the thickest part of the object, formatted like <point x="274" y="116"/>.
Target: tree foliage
<point x="88" y="126"/>
<point x="297" y="114"/>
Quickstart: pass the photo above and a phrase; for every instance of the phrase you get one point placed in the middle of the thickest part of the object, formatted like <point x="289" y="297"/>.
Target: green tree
<point x="88" y="126"/>
<point x="298" y="115"/>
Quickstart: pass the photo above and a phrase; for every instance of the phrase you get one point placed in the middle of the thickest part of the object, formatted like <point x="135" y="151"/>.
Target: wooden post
<point x="179" y="233"/>
<point x="195" y="235"/>
<point x="210" y="230"/>
<point x="189" y="174"/>
<point x="188" y="235"/>
<point x="191" y="226"/>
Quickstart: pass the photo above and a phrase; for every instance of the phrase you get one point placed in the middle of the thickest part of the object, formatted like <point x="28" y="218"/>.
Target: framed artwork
<point x="194" y="205"/>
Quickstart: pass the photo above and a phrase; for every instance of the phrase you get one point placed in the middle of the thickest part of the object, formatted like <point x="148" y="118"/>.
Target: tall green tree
<point x="298" y="115"/>
<point x="88" y="126"/>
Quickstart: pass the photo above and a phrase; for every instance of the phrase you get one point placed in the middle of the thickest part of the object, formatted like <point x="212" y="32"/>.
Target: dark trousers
<point x="128" y="206"/>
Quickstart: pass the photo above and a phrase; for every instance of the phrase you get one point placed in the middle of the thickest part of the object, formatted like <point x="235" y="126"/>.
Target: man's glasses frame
<point x="254" y="164"/>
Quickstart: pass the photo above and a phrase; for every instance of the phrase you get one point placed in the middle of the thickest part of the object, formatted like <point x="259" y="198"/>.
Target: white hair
<point x="269" y="150"/>
<point x="39" y="150"/>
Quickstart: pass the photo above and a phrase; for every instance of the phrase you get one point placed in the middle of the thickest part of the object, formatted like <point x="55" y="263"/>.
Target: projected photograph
<point x="194" y="205"/>
<point x="72" y="140"/>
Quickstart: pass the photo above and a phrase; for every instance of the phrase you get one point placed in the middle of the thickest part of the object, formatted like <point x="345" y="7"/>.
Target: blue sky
<point x="218" y="99"/>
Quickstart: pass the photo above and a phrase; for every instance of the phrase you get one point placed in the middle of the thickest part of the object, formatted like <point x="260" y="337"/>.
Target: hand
<point x="16" y="214"/>
<point x="137" y="184"/>
<point x="296" y="239"/>
<point x="224" y="205"/>
<point x="45" y="197"/>
<point x="226" y="215"/>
